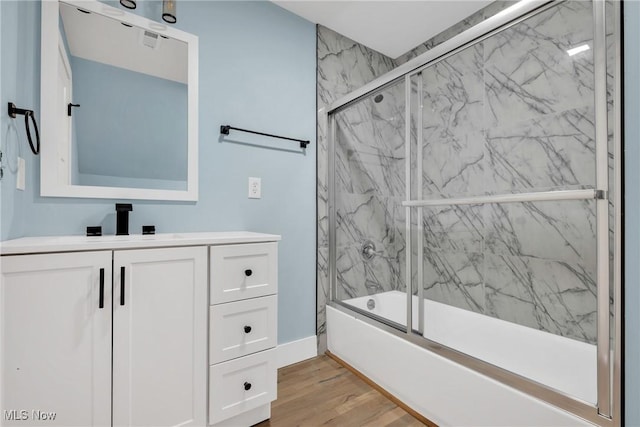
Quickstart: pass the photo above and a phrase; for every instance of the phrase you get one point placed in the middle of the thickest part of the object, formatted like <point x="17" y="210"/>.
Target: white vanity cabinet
<point x="122" y="332"/>
<point x="242" y="333"/>
<point x="56" y="339"/>
<point x="160" y="337"/>
<point x="57" y="319"/>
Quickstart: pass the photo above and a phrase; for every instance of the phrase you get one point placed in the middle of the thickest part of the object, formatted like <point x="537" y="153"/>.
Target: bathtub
<point x="451" y="394"/>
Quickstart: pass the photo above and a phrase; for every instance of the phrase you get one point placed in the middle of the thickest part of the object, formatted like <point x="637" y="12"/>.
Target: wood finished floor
<point x="320" y="392"/>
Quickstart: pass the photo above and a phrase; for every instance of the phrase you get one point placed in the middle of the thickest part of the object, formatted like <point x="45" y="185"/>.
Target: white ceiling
<point x="106" y="40"/>
<point x="391" y="27"/>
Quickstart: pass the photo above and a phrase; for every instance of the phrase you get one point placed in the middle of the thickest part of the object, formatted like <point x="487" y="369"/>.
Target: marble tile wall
<point x="370" y="186"/>
<point x="456" y="29"/>
<point x="515" y="114"/>
<point x="511" y="114"/>
<point x="344" y="66"/>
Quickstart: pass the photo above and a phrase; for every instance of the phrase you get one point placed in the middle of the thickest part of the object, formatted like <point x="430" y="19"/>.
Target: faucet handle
<point x="126" y="207"/>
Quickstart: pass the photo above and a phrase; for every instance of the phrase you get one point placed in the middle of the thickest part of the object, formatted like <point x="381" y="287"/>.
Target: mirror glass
<point x="125" y="89"/>
<point x="119" y="105"/>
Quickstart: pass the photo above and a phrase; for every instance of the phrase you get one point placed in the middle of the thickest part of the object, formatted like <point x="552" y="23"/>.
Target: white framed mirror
<point x="119" y="105"/>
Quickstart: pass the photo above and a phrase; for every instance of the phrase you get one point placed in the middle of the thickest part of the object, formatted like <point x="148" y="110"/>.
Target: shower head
<point x="378" y="98"/>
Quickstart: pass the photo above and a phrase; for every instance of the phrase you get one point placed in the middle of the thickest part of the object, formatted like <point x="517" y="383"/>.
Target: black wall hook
<point x="69" y="106"/>
<point x="13" y="112"/>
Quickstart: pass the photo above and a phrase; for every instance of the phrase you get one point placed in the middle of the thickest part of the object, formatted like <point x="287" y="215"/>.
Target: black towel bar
<point x="224" y="130"/>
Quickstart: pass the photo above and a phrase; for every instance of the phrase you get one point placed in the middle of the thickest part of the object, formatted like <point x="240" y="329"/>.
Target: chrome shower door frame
<point x="607" y="411"/>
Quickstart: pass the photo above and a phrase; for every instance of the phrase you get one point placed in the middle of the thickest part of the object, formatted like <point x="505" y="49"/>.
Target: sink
<point x="136" y="237"/>
<point x="161" y="236"/>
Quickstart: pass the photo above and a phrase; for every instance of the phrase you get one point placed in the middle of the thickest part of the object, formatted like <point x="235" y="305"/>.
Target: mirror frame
<point x="49" y="186"/>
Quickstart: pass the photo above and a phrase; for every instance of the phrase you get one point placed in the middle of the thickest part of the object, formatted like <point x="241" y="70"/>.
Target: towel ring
<point x="13" y="111"/>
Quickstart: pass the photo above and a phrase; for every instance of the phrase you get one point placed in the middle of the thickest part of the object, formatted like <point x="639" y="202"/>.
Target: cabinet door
<point x="160" y="337"/>
<point x="56" y="339"/>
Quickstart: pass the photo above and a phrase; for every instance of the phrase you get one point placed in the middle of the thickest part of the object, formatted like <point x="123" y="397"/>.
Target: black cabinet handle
<point x="121" y="285"/>
<point x="101" y="302"/>
<point x="247" y="329"/>
<point x="248" y="272"/>
<point x="247" y="386"/>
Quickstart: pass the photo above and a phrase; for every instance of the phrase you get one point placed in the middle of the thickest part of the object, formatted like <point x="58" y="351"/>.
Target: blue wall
<point x="147" y="119"/>
<point x="106" y="156"/>
<point x="257" y="70"/>
<point x="20" y="84"/>
<point x="632" y="210"/>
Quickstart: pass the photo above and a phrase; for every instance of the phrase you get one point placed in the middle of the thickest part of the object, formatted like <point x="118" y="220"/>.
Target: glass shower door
<point x="512" y="223"/>
<point x="368" y="183"/>
<point x="474" y="205"/>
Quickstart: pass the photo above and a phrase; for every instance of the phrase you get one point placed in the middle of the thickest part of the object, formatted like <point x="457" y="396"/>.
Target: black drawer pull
<point x="121" y="285"/>
<point x="247" y="386"/>
<point x="248" y="272"/>
<point x="101" y="302"/>
<point x="247" y="329"/>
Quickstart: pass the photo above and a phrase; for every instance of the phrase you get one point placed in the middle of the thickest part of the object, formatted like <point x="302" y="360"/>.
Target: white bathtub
<point x="462" y="396"/>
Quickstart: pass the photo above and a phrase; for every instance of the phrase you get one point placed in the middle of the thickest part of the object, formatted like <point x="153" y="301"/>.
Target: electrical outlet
<point x="255" y="188"/>
<point x="20" y="179"/>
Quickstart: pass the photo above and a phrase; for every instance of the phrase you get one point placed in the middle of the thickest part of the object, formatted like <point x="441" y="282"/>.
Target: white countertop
<point x="32" y="245"/>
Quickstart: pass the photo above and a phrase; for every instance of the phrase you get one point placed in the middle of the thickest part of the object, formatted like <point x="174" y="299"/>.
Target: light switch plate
<point x="20" y="179"/>
<point x="255" y="188"/>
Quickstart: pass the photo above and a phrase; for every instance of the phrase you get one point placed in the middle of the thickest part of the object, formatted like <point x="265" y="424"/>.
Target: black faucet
<point x="122" y="218"/>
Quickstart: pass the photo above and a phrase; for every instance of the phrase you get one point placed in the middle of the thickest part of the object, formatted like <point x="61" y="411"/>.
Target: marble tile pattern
<point x="456" y="29"/>
<point x="369" y="189"/>
<point x="513" y="113"/>
<point x="528" y="72"/>
<point x="343" y="66"/>
<point x="611" y="138"/>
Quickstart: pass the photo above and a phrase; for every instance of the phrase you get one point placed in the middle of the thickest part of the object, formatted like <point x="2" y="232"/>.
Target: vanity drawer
<point x="243" y="327"/>
<point x="243" y="271"/>
<point x="242" y="384"/>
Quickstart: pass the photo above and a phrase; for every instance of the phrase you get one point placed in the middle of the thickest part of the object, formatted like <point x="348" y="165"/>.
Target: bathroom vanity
<point x="162" y="330"/>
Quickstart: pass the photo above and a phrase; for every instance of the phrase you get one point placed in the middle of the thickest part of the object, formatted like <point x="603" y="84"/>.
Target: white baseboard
<point x="296" y="351"/>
